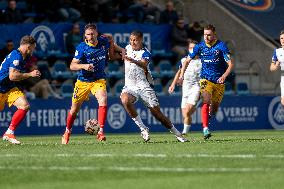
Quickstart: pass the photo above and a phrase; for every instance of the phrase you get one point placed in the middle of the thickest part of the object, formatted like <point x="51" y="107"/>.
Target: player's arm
<point x="76" y="65"/>
<point x="16" y="75"/>
<point x="173" y="84"/>
<point x="227" y="72"/>
<point x="119" y="52"/>
<point x="274" y="66"/>
<point x="143" y="63"/>
<point x="184" y="67"/>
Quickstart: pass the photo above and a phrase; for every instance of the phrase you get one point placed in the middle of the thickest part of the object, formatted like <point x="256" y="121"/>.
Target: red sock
<point x="102" y="114"/>
<point x="70" y="120"/>
<point x="205" y="114"/>
<point x="17" y="118"/>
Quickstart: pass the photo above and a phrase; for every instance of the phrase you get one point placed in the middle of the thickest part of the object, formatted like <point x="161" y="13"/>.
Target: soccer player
<point x="12" y="70"/>
<point x="216" y="66"/>
<point x="190" y="87"/>
<point x="138" y="81"/>
<point x="90" y="60"/>
<point x="278" y="62"/>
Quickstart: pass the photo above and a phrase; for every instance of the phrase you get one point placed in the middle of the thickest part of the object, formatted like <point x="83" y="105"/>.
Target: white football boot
<point x="145" y="134"/>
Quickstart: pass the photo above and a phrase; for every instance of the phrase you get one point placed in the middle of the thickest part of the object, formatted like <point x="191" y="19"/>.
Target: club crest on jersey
<point x="16" y="62"/>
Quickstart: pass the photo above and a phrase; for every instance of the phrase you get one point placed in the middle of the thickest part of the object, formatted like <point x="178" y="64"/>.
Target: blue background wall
<point x="235" y="113"/>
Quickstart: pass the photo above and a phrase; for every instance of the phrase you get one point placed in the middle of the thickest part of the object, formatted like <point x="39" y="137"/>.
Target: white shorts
<point x="190" y="95"/>
<point x="146" y="94"/>
<point x="282" y="86"/>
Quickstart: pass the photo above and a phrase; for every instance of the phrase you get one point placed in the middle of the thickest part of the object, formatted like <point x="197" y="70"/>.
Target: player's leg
<point x="187" y="111"/>
<point x="16" y="98"/>
<point x="150" y="99"/>
<point x="100" y="92"/>
<point x="189" y="101"/>
<point x="80" y="94"/>
<point x="282" y="90"/>
<point x="217" y="98"/>
<point x="75" y="107"/>
<point x="156" y="112"/>
<point x="206" y="89"/>
<point x="128" y="101"/>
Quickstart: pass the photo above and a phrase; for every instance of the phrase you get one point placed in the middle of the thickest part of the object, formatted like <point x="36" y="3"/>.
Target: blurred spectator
<point x="73" y="38"/>
<point x="195" y="31"/>
<point x="169" y="15"/>
<point x="151" y="12"/>
<point x="44" y="10"/>
<point x="11" y="14"/>
<point x="67" y="11"/>
<point x="39" y="86"/>
<point x="179" y="39"/>
<point x="7" y="49"/>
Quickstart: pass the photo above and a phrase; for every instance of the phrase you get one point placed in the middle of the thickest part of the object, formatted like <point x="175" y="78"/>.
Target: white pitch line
<point x="66" y="155"/>
<point x="141" y="169"/>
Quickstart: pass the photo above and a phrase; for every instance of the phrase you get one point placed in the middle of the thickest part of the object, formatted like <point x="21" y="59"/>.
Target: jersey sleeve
<point x="104" y="40"/>
<point x="195" y="51"/>
<point x="146" y="56"/>
<point x="226" y="52"/>
<point x="79" y="52"/>
<point x="274" y="56"/>
<point x="15" y="61"/>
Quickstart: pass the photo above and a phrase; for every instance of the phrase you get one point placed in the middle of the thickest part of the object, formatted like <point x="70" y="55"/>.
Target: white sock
<point x="101" y="129"/>
<point x="139" y="123"/>
<point x="186" y="128"/>
<point x="9" y="131"/>
<point x="175" y="131"/>
<point x="205" y="128"/>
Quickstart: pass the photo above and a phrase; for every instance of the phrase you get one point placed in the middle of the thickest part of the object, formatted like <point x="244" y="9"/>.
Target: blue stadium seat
<point x="166" y="69"/>
<point x="158" y="50"/>
<point x="159" y="89"/>
<point x="60" y="71"/>
<point x="43" y="67"/>
<point x="154" y="73"/>
<point x="114" y="70"/>
<point x="66" y="90"/>
<point x="242" y="89"/>
<point x="228" y="89"/>
<point x="118" y="89"/>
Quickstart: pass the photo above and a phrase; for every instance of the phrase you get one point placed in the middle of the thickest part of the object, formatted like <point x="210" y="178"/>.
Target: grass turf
<point x="239" y="159"/>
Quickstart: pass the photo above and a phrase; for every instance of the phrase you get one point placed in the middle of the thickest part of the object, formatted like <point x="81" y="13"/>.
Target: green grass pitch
<point x="239" y="159"/>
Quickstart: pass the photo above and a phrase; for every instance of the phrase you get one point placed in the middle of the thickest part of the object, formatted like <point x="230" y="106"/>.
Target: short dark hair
<point x="192" y="41"/>
<point x="210" y="27"/>
<point x="282" y="32"/>
<point x="27" y="39"/>
<point x="90" y="26"/>
<point x="137" y="33"/>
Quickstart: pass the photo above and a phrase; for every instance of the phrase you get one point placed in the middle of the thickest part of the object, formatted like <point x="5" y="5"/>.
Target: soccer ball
<point x="92" y="127"/>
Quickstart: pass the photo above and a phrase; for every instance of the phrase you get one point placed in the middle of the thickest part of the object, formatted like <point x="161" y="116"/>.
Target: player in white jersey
<point x="138" y="86"/>
<point x="190" y="88"/>
<point x="278" y="62"/>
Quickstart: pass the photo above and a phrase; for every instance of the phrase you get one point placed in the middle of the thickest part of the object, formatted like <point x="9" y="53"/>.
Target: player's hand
<point x="277" y="63"/>
<point x="89" y="67"/>
<point x="35" y="73"/>
<point x="221" y="79"/>
<point x="171" y="89"/>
